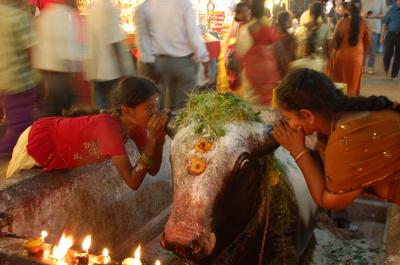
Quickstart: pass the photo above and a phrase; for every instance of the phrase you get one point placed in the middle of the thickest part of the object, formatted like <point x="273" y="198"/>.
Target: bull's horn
<point x="268" y="144"/>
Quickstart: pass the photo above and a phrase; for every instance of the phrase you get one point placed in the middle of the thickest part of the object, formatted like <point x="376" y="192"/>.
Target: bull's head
<point x="216" y="184"/>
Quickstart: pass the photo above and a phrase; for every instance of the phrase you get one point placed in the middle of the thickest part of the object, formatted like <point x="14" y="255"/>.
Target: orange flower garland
<point x="197" y="166"/>
<point x="203" y="146"/>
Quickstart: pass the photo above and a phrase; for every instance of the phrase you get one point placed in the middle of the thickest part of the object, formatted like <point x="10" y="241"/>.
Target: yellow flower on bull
<point x="197" y="166"/>
<point x="274" y="177"/>
<point x="203" y="146"/>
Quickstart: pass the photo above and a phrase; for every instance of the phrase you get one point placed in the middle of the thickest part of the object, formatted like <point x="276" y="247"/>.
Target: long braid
<point x="365" y="103"/>
<point x="308" y="89"/>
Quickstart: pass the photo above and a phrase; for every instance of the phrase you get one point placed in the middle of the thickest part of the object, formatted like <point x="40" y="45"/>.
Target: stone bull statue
<point x="222" y="212"/>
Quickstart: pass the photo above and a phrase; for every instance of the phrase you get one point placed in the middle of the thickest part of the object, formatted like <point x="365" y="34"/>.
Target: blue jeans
<point x="373" y="50"/>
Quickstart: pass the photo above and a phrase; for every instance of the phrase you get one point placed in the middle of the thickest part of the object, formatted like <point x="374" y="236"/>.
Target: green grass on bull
<point x="210" y="111"/>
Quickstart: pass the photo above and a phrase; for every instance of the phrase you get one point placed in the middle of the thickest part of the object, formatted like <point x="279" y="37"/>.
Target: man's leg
<point x="388" y="51"/>
<point x="185" y="80"/>
<point x="396" y="60"/>
<point x="162" y="67"/>
<point x="372" y="54"/>
<point x="19" y="116"/>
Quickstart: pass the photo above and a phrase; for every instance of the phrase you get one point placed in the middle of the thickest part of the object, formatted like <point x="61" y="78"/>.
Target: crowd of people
<point x="45" y="59"/>
<point x="342" y="42"/>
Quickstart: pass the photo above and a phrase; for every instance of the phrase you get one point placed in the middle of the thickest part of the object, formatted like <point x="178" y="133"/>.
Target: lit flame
<point x="44" y="234"/>
<point x="137" y="253"/>
<point x="158" y="262"/>
<point x="105" y="252"/>
<point x="86" y="243"/>
<point x="61" y="250"/>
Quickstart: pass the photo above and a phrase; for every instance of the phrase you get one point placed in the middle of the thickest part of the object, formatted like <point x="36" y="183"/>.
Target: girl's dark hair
<point x="316" y="11"/>
<point x="283" y="19"/>
<point x="308" y="89"/>
<point x="354" y="24"/>
<point x="131" y="91"/>
<point x="257" y="8"/>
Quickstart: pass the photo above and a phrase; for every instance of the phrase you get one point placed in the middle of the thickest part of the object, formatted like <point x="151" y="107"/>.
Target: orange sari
<point x="363" y="152"/>
<point x="347" y="61"/>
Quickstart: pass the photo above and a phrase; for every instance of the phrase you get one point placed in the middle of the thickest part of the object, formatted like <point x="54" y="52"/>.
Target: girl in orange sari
<point x="350" y="41"/>
<point x="360" y="136"/>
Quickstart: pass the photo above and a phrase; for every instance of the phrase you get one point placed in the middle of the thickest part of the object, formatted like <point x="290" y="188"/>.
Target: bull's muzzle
<point x="188" y="244"/>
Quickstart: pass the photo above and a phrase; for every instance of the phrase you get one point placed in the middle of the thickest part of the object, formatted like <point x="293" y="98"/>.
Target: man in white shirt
<point x="146" y="62"/>
<point x="58" y="55"/>
<point x="176" y="43"/>
<point x="107" y="58"/>
<point x="374" y="11"/>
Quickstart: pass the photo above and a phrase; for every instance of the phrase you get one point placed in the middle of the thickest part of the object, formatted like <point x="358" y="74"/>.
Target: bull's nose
<point x="195" y="248"/>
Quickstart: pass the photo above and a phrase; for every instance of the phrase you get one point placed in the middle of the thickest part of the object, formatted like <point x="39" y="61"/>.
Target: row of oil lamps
<point x="59" y="252"/>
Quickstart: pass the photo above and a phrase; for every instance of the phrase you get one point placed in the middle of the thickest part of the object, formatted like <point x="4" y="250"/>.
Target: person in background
<point x="373" y="11"/>
<point x="18" y="79"/>
<point x="107" y="57"/>
<point x="335" y="14"/>
<point x="350" y="41"/>
<point x="64" y="143"/>
<point x="305" y="17"/>
<point x="58" y="55"/>
<point x="312" y="41"/>
<point x="390" y="38"/>
<point x="228" y="66"/>
<point x="257" y="56"/>
<point x="312" y="36"/>
<point x="359" y="149"/>
<point x="288" y="41"/>
<point x="178" y="49"/>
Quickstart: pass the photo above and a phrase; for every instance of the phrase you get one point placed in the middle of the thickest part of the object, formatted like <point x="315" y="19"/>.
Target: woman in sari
<point x="359" y="136"/>
<point x="350" y="41"/>
<point x="256" y="53"/>
<point x="312" y="40"/>
<point x="228" y="68"/>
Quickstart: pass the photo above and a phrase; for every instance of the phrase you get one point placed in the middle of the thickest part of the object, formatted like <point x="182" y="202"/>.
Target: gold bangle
<point x="301" y="154"/>
<point x="144" y="159"/>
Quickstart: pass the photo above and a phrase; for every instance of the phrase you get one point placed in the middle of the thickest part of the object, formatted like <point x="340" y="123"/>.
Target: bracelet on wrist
<point x="301" y="154"/>
<point x="141" y="167"/>
<point x="145" y="160"/>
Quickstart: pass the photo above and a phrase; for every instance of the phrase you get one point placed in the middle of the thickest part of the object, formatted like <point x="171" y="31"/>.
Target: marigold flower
<point x="197" y="166"/>
<point x="203" y="146"/>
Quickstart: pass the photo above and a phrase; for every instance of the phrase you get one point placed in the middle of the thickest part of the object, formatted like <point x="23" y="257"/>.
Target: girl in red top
<point x="65" y="142"/>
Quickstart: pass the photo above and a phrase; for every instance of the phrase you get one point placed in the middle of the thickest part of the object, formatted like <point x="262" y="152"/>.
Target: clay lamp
<point x="83" y="256"/>
<point x="103" y="259"/>
<point x="158" y="262"/>
<point x="133" y="261"/>
<point x="35" y="246"/>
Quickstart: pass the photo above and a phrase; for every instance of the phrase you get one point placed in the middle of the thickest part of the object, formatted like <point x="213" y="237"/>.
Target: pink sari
<point x="260" y="65"/>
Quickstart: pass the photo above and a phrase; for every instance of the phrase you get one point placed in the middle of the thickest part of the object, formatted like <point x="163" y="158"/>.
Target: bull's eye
<point x="244" y="165"/>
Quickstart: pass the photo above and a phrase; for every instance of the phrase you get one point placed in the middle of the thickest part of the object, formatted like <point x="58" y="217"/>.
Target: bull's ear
<point x="268" y="142"/>
<point x="172" y="128"/>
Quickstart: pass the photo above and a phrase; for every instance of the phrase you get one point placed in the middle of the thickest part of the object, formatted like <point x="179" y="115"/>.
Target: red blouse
<point x="64" y="143"/>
